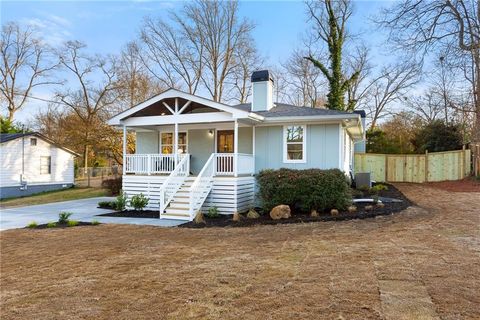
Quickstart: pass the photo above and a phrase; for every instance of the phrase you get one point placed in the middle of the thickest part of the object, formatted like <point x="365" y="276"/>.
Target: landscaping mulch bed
<point x="151" y="214"/>
<point x="361" y="213"/>
<point x="63" y="225"/>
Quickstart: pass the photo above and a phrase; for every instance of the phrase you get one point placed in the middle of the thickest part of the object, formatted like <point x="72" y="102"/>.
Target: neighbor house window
<point x="45" y="165"/>
<point x="294" y="146"/>
<point x="33" y="141"/>
<point x="167" y="142"/>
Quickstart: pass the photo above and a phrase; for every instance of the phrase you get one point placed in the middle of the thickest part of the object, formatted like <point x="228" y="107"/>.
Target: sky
<point x="106" y="26"/>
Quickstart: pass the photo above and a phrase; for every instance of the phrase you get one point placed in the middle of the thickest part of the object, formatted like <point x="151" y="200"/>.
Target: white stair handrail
<point x="201" y="186"/>
<point x="174" y="181"/>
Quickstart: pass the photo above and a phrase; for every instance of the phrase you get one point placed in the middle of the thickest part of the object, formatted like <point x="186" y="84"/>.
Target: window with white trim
<point x="294" y="143"/>
<point x="33" y="142"/>
<point x="167" y="142"/>
<point x="45" y="165"/>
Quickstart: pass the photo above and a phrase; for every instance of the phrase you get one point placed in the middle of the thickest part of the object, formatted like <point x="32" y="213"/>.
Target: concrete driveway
<point x="83" y="210"/>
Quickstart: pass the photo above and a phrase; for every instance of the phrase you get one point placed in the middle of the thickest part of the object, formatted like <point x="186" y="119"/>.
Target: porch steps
<point x="179" y="206"/>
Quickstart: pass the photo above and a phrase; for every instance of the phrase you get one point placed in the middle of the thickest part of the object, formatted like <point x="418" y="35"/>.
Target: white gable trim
<point x="174" y="93"/>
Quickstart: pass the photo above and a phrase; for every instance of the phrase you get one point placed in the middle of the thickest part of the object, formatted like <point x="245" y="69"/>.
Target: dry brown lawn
<point x="423" y="263"/>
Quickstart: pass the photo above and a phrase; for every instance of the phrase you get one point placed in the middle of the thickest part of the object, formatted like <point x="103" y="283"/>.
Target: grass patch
<point x="72" y="223"/>
<point x="54" y="196"/>
<point x="51" y="225"/>
<point x="32" y="225"/>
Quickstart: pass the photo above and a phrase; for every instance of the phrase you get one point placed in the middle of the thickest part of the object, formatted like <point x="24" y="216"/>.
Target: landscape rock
<point x="314" y="213"/>
<point x="368" y="208"/>
<point x="352" y="209"/>
<point x="334" y="212"/>
<point x="237" y="217"/>
<point x="252" y="214"/>
<point x="380" y="205"/>
<point x="280" y="212"/>
<point x="199" y="218"/>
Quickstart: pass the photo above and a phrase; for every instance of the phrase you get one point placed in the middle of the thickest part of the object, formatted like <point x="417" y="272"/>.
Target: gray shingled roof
<point x="4" y="137"/>
<point x="288" y="110"/>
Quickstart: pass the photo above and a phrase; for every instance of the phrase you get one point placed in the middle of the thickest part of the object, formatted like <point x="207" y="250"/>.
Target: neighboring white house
<point x="31" y="163"/>
<point x="193" y="153"/>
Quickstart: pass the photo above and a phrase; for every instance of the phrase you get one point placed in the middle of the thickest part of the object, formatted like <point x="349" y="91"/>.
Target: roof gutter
<point x="314" y="118"/>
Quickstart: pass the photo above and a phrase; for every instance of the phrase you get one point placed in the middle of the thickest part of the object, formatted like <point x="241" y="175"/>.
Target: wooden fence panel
<point x="437" y="166"/>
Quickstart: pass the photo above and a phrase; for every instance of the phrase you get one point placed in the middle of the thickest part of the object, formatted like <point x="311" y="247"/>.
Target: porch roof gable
<point x="174" y="93"/>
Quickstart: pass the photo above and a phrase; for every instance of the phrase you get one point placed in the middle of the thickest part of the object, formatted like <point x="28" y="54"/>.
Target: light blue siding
<point x="147" y="142"/>
<point x="323" y="148"/>
<point x="245" y="142"/>
<point x="200" y="146"/>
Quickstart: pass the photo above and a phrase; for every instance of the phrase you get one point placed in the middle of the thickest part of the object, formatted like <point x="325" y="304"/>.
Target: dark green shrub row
<point x="107" y="204"/>
<point x="304" y="189"/>
<point x="113" y="185"/>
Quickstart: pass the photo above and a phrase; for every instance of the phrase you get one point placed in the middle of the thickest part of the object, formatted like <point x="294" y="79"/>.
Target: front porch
<point x="190" y="156"/>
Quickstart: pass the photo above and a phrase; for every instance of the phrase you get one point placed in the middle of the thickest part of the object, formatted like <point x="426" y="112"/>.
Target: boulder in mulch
<point x="334" y="212"/>
<point x="368" y="208"/>
<point x="252" y="214"/>
<point x="313" y="213"/>
<point x="199" y="218"/>
<point x="352" y="209"/>
<point x="280" y="212"/>
<point x="237" y="217"/>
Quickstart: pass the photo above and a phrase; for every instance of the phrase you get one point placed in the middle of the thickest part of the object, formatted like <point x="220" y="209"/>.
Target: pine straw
<point x="420" y="264"/>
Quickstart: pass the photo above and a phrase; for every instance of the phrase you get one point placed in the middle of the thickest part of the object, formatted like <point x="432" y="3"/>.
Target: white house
<point x="31" y="163"/>
<point x="193" y="153"/>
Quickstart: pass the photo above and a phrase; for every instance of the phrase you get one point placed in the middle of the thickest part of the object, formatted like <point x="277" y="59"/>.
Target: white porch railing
<point x="151" y="163"/>
<point x="202" y="186"/>
<point x="174" y="181"/>
<point x="225" y="164"/>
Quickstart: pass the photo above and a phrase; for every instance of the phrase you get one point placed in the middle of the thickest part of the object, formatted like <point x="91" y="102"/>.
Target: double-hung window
<point x="167" y="142"/>
<point x="45" y="165"/>
<point x="294" y="144"/>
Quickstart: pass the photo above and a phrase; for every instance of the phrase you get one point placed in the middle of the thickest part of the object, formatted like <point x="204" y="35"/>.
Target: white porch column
<point x="253" y="148"/>
<point x="235" y="149"/>
<point x="124" y="166"/>
<point x="175" y="134"/>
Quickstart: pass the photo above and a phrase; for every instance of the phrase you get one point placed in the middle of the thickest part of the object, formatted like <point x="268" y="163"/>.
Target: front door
<point x="225" y="145"/>
<point x="225" y="141"/>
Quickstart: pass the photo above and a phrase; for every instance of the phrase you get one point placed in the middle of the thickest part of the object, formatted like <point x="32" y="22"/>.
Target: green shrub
<point x="63" y="217"/>
<point x="95" y="222"/>
<point x="114" y="186"/>
<point x="121" y="202"/>
<point x="51" y="225"/>
<point x="107" y="204"/>
<point x="139" y="202"/>
<point x="72" y="223"/>
<point x="377" y="188"/>
<point x="310" y="189"/>
<point x="213" y="212"/>
<point x="32" y="225"/>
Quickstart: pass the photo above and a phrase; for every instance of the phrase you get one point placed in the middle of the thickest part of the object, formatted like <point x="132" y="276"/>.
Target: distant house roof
<point x="5" y="137"/>
<point x="288" y="110"/>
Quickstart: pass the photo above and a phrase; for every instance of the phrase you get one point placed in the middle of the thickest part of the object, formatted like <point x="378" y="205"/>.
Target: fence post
<point x="386" y="168"/>
<point x="462" y="163"/>
<point x="426" y="165"/>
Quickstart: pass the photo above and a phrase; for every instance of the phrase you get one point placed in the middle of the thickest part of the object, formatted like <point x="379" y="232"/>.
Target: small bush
<point x="139" y="202"/>
<point x="63" y="217"/>
<point x="213" y="212"/>
<point x="72" y="223"/>
<point x="121" y="202"/>
<point x="114" y="186"/>
<point x="304" y="189"/>
<point x="32" y="225"/>
<point x="51" y="225"/>
<point x="95" y="222"/>
<point x="377" y="188"/>
<point x="107" y="204"/>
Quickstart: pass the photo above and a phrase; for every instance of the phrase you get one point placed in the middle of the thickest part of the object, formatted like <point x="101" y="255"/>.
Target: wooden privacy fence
<point x="435" y="166"/>
<point x="475" y="147"/>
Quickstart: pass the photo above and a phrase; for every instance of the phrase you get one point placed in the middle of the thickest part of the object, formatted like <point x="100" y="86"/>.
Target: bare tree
<point x="172" y="54"/>
<point x="360" y="85"/>
<point x="330" y="27"/>
<point x="389" y="87"/>
<point x="25" y="65"/>
<point x="198" y="46"/>
<point x="134" y="82"/>
<point x="246" y="60"/>
<point x="306" y="84"/>
<point x="95" y="80"/>
<point x="425" y="26"/>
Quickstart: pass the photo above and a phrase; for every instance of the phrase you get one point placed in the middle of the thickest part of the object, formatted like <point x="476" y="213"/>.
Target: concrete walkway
<point x="83" y="210"/>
